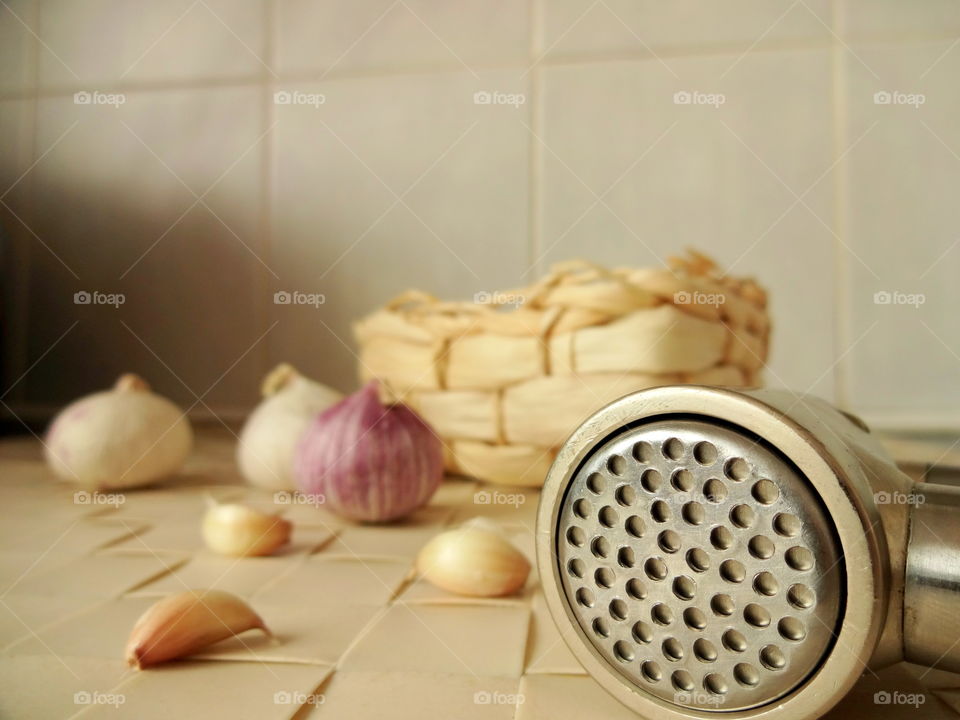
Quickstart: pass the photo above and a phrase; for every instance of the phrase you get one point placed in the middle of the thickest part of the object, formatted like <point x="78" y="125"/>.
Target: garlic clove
<point x="241" y="531"/>
<point x="182" y="623"/>
<point x="473" y="561"/>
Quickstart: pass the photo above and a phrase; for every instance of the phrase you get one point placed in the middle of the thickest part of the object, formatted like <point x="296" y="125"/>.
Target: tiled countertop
<point x="357" y="634"/>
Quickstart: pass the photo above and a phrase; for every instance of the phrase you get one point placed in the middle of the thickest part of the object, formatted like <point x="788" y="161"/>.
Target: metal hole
<point x="786" y="525"/>
<point x="772" y="658"/>
<point x="655" y="568"/>
<point x="651" y="480"/>
<point x="581" y="508"/>
<point x="601" y="628"/>
<point x="791" y="629"/>
<point x="669" y="541"/>
<point x="608" y="517"/>
<point x="651" y="671"/>
<point x="576" y="568"/>
<point x="756" y="615"/>
<point x="799" y="558"/>
<point x="765" y="492"/>
<point x="672" y="650"/>
<point x="673" y="449"/>
<point x="732" y="571"/>
<point x="734" y="641"/>
<point x="605" y="577"/>
<point x="617" y="465"/>
<point x="693" y="513"/>
<point x="682" y="480"/>
<point x="746" y="674"/>
<point x="694" y="619"/>
<point x="705" y="453"/>
<point x="576" y="536"/>
<point x="721" y="538"/>
<point x="585" y="597"/>
<point x="800" y="596"/>
<point x="660" y="511"/>
<point x="636" y="589"/>
<point x="618" y="609"/>
<point x="714" y="491"/>
<point x="761" y="547"/>
<point x="682" y="681"/>
<point x="704" y="650"/>
<point x="684" y="588"/>
<point x="596" y="484"/>
<point x="715" y="684"/>
<point x="742" y="516"/>
<point x="634" y="526"/>
<point x="643" y="452"/>
<point x="736" y="469"/>
<point x="623" y="651"/>
<point x="722" y="604"/>
<point x="626" y="558"/>
<point x="698" y="560"/>
<point x="766" y="584"/>
<point x="600" y="547"/>
<point x="661" y="614"/>
<point x="626" y="495"/>
<point x="641" y="632"/>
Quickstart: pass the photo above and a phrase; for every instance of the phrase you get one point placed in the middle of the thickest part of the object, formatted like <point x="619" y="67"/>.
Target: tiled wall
<point x="200" y="196"/>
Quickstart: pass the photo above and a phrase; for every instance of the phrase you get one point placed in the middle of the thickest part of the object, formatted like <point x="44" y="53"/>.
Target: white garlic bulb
<point x="474" y="561"/>
<point x="123" y="437"/>
<point x="269" y="436"/>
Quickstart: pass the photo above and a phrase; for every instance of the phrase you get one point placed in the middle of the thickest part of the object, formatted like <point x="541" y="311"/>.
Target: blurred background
<point x="172" y="172"/>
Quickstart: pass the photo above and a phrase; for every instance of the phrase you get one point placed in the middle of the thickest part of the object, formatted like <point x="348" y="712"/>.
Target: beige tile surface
<point x="240" y="576"/>
<point x="321" y="579"/>
<point x="564" y="697"/>
<point x="51" y="687"/>
<point x="23" y="615"/>
<point x="890" y="19"/>
<point x="546" y="651"/>
<point x="18" y="45"/>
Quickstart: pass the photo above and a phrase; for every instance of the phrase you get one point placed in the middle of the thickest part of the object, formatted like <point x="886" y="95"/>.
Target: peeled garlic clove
<point x="473" y="561"/>
<point x="371" y="462"/>
<point x="242" y="531"/>
<point x="183" y="623"/>
<point x="269" y="436"/>
<point x="123" y="437"/>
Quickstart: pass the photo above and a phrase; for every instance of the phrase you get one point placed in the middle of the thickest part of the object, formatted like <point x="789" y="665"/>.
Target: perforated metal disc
<point x="700" y="565"/>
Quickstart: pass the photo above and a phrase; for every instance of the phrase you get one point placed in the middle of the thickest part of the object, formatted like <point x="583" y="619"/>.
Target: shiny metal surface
<point x="700" y="564"/>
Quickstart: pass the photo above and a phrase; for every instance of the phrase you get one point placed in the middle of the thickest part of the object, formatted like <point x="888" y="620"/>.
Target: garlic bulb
<point x="473" y="561"/>
<point x="119" y="438"/>
<point x="370" y="462"/>
<point x="188" y="621"/>
<point x="243" y="532"/>
<point x="270" y="434"/>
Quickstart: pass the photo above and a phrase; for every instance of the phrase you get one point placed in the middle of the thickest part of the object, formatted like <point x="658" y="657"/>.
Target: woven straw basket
<point x="505" y="381"/>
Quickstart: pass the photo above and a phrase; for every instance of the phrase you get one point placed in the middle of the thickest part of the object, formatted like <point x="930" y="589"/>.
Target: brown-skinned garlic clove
<point x="240" y="531"/>
<point x="473" y="561"/>
<point x="185" y="622"/>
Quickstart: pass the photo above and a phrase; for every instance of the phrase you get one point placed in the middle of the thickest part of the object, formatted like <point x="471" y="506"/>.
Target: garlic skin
<point x="185" y="622"/>
<point x="240" y="531"/>
<point x="120" y="438"/>
<point x="270" y="434"/>
<point x="372" y="463"/>
<point x="473" y="561"/>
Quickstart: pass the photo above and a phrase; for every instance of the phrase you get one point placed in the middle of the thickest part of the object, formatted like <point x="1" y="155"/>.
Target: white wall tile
<point x="17" y="45"/>
<point x="892" y="18"/>
<point x="903" y="221"/>
<point x="343" y="35"/>
<point x="110" y="196"/>
<point x="339" y="230"/>
<point x="91" y="42"/>
<point x="639" y="26"/>
<point x="723" y="179"/>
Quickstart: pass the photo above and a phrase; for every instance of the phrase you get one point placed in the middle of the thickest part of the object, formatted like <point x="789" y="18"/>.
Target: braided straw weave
<point x="504" y="382"/>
